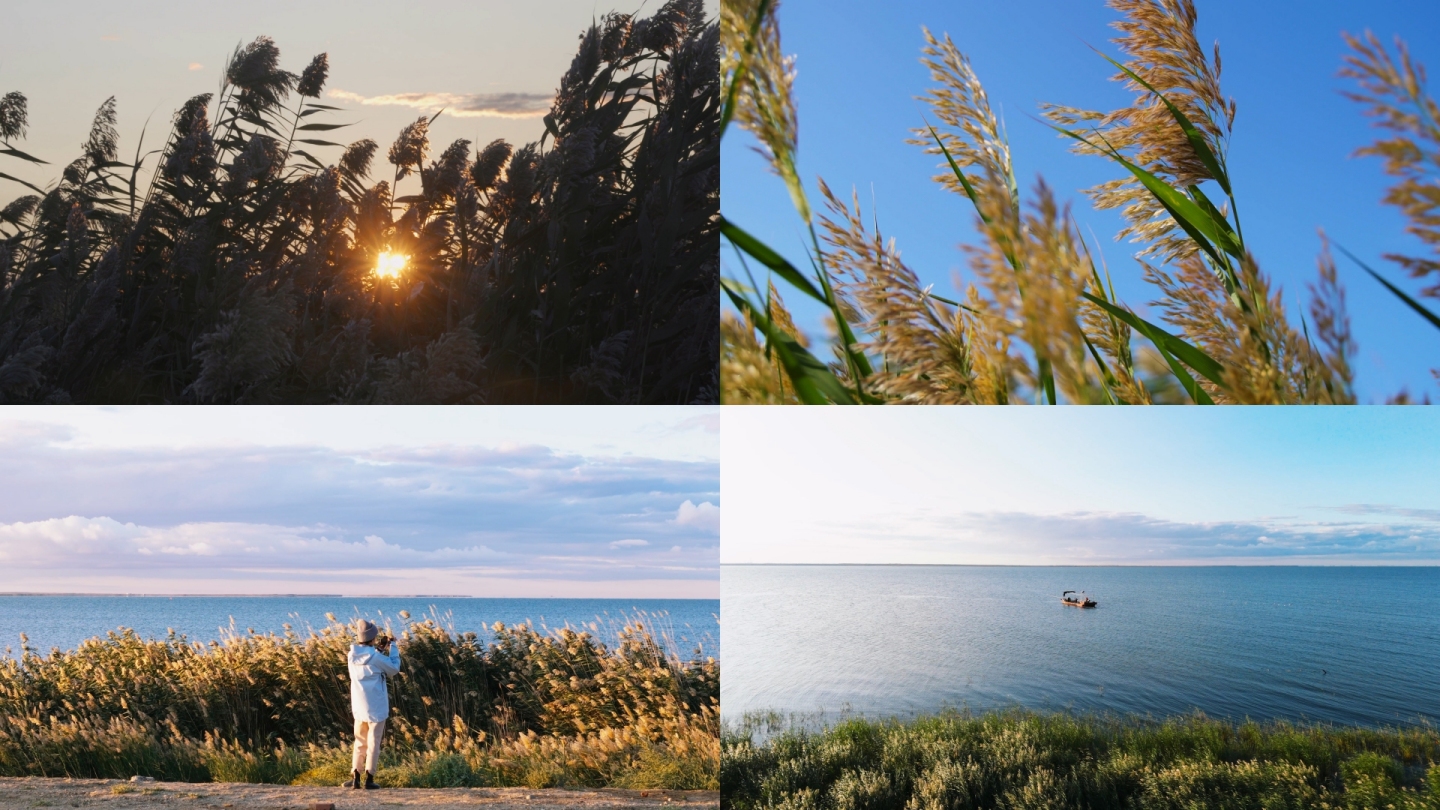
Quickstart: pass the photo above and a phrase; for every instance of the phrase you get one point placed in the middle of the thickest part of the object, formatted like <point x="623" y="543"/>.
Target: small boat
<point x="1077" y="599"/>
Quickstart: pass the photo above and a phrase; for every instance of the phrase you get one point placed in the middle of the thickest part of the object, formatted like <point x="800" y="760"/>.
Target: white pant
<point x="367" y="745"/>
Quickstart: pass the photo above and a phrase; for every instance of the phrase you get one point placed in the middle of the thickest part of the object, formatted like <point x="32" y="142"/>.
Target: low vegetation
<point x="1020" y="760"/>
<point x="527" y="709"/>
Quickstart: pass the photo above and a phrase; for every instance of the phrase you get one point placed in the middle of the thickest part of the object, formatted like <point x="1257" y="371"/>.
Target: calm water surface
<point x="65" y="621"/>
<point x="1345" y="645"/>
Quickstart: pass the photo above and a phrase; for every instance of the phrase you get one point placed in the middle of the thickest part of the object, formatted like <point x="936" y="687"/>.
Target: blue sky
<point x="1081" y="486"/>
<point x="496" y="501"/>
<point x="68" y="56"/>
<point x="859" y="73"/>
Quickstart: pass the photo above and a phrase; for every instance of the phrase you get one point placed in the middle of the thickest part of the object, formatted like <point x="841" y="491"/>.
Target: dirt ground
<point x="111" y="793"/>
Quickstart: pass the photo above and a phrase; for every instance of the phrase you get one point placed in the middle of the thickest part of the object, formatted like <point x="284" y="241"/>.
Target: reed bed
<point x="1038" y="319"/>
<point x="528" y="708"/>
<point x="1018" y="759"/>
<point x="258" y="265"/>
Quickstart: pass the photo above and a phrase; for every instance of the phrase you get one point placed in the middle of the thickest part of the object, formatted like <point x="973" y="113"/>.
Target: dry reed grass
<point x="1040" y="320"/>
<point x="530" y="708"/>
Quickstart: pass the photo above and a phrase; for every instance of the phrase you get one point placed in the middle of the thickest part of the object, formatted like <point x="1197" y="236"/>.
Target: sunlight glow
<point x="389" y="265"/>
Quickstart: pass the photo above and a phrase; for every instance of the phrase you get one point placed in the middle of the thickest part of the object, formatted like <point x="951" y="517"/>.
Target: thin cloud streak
<point x="459" y="105"/>
<point x="1409" y="537"/>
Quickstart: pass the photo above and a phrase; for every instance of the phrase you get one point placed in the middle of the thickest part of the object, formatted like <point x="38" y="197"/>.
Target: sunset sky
<point x="494" y="501"/>
<point x="494" y="65"/>
<point x="1080" y="486"/>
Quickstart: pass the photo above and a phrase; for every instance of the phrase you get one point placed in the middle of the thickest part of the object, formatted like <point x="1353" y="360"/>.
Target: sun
<point x="389" y="265"/>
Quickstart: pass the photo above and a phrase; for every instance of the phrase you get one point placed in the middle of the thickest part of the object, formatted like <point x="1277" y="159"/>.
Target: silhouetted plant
<point x="245" y="271"/>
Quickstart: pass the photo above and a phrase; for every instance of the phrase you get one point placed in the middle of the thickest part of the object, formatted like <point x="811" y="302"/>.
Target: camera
<point x="383" y="640"/>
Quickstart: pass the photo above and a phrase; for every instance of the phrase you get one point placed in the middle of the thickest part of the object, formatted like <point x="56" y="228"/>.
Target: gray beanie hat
<point x="366" y="630"/>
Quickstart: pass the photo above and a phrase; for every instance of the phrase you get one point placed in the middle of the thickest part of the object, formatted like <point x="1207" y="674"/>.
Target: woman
<point x="369" y="700"/>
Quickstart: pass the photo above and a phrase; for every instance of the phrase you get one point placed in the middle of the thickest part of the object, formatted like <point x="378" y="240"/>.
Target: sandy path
<point x="111" y="793"/>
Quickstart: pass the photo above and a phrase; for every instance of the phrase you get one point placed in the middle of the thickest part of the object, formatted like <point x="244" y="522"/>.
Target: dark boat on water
<point x="1078" y="599"/>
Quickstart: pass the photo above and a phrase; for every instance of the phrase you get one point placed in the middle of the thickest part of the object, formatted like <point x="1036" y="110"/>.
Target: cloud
<point x="245" y="514"/>
<point x="195" y="66"/>
<point x="708" y="422"/>
<point x="705" y="516"/>
<point x="460" y="105"/>
<point x="1406" y="536"/>
<point x="110" y="38"/>
<point x="1385" y="510"/>
<point x="105" y="543"/>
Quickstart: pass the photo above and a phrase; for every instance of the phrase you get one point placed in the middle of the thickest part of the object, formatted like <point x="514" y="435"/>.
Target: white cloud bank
<point x="108" y="544"/>
<point x="460" y="105"/>
<point x="515" y="519"/>
<point x="705" y="516"/>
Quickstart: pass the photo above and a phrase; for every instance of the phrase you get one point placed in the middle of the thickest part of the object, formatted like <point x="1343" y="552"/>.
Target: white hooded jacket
<point x="368" y="667"/>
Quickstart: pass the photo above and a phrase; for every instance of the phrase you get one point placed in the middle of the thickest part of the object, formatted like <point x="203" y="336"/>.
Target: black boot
<point x="370" y="781"/>
<point x="354" y="780"/>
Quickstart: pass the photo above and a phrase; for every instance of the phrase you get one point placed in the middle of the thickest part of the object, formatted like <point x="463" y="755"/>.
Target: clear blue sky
<point x="1080" y="485"/>
<point x="859" y="74"/>
<point x="494" y="501"/>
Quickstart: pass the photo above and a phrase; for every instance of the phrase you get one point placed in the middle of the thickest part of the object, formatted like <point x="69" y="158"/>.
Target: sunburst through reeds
<point x="580" y="268"/>
<point x="390" y="265"/>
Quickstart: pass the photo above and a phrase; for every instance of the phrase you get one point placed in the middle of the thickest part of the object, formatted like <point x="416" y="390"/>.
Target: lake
<point x="65" y="621"/>
<point x="1356" y="646"/>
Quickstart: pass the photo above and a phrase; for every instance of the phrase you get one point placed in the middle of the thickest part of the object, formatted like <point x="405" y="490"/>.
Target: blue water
<point x="65" y="621"/>
<point x="1356" y="646"/>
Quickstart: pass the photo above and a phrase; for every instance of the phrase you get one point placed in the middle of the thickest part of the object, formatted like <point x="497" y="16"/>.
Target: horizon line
<point x="1425" y="564"/>
<point x="357" y="596"/>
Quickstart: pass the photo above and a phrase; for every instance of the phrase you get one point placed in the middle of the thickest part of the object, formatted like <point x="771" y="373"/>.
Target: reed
<point x="1039" y="319"/>
<point x="527" y="708"/>
<point x="581" y="268"/>
<point x="1018" y="759"/>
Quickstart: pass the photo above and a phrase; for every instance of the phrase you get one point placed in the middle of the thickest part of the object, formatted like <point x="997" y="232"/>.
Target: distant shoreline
<point x="364" y="596"/>
<point x="1418" y="564"/>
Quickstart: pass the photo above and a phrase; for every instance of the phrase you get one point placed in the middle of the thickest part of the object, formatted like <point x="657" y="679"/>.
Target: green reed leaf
<point x="959" y="175"/>
<point x="13" y="152"/>
<point x="768" y="257"/>
<point x="1170" y="347"/>
<point x="814" y="382"/>
<point x="1197" y="140"/>
<point x="1194" y="220"/>
<point x="30" y="186"/>
<point x="1399" y="293"/>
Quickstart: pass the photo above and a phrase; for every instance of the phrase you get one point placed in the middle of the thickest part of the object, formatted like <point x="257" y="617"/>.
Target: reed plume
<point x="1392" y="90"/>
